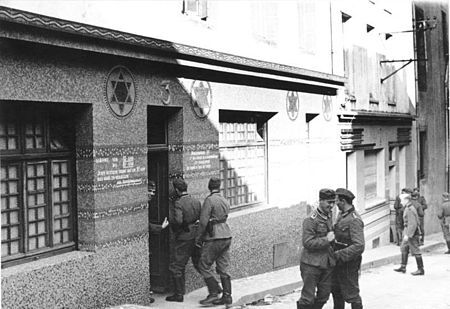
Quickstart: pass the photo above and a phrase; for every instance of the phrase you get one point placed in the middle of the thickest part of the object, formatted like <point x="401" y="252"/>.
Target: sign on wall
<point x="120" y="92"/>
<point x="292" y="105"/>
<point x="201" y="98"/>
<point x="327" y="107"/>
<point x="119" y="171"/>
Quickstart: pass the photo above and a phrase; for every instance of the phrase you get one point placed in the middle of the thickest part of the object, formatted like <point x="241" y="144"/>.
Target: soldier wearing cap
<point x="420" y="204"/>
<point x="183" y="219"/>
<point x="411" y="233"/>
<point x="349" y="246"/>
<point x="399" y="208"/>
<point x="317" y="260"/>
<point x="444" y="217"/>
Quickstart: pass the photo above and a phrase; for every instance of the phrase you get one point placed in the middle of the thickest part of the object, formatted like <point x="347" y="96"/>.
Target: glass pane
<point x="40" y="184"/>
<point x="56" y="197"/>
<point x="4" y="218"/>
<point x="65" y="208"/>
<point x="29" y="143"/>
<point x="57" y="238"/>
<point x="38" y="129"/>
<point x="14" y="217"/>
<point x="12" y="172"/>
<point x="31" y="244"/>
<point x="64" y="195"/>
<point x="39" y="142"/>
<point x="56" y="210"/>
<point x="14" y="231"/>
<point x="12" y="143"/>
<point x="4" y="233"/>
<point x="41" y="227"/>
<point x="13" y="187"/>
<point x="29" y="129"/>
<point x="14" y="247"/>
<point x="64" y="168"/>
<point x="4" y="191"/>
<point x="3" y="173"/>
<point x="5" y="250"/>
<point x="66" y="236"/>
<point x="64" y="182"/>
<point x="40" y="199"/>
<point x="2" y="129"/>
<point x="3" y="202"/>
<point x="56" y="169"/>
<point x="56" y="183"/>
<point x="40" y="170"/>
<point x="41" y="240"/>
<point x="31" y="185"/>
<point x="3" y="143"/>
<point x="13" y="202"/>
<point x="65" y="223"/>
<point x="32" y="229"/>
<point x="30" y="170"/>
<point x="31" y="200"/>
<point x="41" y="213"/>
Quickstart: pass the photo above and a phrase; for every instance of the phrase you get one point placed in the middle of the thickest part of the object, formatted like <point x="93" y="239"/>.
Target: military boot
<point x="402" y="268"/>
<point x="300" y="306"/>
<point x="318" y="305"/>
<point x="420" y="270"/>
<point x="338" y="302"/>
<point x="226" y="296"/>
<point x="357" y="306"/>
<point x="213" y="288"/>
<point x="179" y="290"/>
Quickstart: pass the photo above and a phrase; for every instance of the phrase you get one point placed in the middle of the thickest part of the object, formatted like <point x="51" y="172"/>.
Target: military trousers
<point x="316" y="284"/>
<point x="411" y="245"/>
<point x="218" y="251"/>
<point x="345" y="281"/>
<point x="182" y="251"/>
<point x="446" y="230"/>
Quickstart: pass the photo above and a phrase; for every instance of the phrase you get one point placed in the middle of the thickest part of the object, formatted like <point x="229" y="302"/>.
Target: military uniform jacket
<point x="317" y="250"/>
<point x="444" y="212"/>
<point x="419" y="208"/>
<point x="186" y="214"/>
<point x="411" y="220"/>
<point x="215" y="207"/>
<point x="398" y="211"/>
<point x="349" y="232"/>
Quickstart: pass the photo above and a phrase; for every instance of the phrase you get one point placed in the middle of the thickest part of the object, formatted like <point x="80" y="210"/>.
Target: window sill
<point x="45" y="262"/>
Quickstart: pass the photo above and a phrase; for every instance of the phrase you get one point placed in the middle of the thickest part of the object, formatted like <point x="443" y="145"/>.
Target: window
<point x="38" y="215"/>
<point x="422" y="154"/>
<point x="265" y="21"/>
<point x="421" y="50"/>
<point x="370" y="175"/>
<point x="197" y="8"/>
<point x="307" y="26"/>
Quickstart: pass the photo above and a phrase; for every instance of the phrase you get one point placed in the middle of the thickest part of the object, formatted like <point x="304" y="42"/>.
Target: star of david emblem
<point x="292" y="105"/>
<point x="201" y="98"/>
<point x="327" y="107"/>
<point x="120" y="91"/>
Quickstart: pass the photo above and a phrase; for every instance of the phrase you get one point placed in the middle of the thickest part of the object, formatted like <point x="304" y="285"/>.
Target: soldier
<point x="399" y="216"/>
<point x="214" y="237"/>
<point x="349" y="246"/>
<point x="420" y="200"/>
<point x="184" y="223"/>
<point x="444" y="218"/>
<point x="317" y="260"/>
<point x="411" y="234"/>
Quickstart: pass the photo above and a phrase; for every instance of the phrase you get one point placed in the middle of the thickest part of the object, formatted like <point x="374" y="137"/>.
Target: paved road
<point x="382" y="288"/>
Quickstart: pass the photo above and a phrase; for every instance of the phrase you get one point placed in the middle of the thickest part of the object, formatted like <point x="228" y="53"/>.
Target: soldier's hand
<point x="330" y="236"/>
<point x="165" y="223"/>
<point x="405" y="238"/>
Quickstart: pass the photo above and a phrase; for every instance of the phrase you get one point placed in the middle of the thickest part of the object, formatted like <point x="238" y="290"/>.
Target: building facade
<point x="97" y="102"/>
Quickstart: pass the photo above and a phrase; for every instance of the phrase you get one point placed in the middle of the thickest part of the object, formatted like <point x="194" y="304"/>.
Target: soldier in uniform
<point x="399" y="216"/>
<point x="214" y="237"/>
<point x="411" y="233"/>
<point x="349" y="246"/>
<point x="184" y="223"/>
<point x="444" y="217"/>
<point x="420" y="200"/>
<point x="317" y="260"/>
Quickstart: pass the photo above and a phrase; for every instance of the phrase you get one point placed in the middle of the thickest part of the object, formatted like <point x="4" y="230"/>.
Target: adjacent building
<point x="277" y="98"/>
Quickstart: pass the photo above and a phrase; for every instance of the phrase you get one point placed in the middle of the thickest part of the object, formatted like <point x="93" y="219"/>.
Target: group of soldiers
<point x="201" y="233"/>
<point x="332" y="252"/>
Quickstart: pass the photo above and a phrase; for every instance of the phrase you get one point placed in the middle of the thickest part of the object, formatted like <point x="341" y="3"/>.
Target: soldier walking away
<point x="184" y="224"/>
<point x="399" y="216"/>
<point x="349" y="246"/>
<point x="444" y="217"/>
<point x="411" y="234"/>
<point x="420" y="200"/>
<point x="317" y="260"/>
<point x="214" y="237"/>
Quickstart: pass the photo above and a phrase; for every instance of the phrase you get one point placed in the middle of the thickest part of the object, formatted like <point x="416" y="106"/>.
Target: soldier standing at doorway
<point x="349" y="246"/>
<point x="184" y="223"/>
<point x="214" y="237"/>
<point x="317" y="259"/>
<point x="444" y="217"/>
<point x="420" y="200"/>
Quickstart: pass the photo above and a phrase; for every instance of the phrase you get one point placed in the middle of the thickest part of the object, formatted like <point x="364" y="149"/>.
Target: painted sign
<point x="120" y="92"/>
<point x="201" y="98"/>
<point x="327" y="107"/>
<point x="292" y="105"/>
<point x="119" y="171"/>
<point x="200" y="160"/>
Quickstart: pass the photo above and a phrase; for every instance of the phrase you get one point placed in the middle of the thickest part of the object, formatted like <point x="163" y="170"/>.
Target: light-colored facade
<point x="278" y="98"/>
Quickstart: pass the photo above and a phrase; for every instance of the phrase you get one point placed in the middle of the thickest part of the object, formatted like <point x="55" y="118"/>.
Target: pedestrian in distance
<point x="421" y="205"/>
<point x="349" y="246"/>
<point x="411" y="234"/>
<point x="444" y="218"/>
<point x="399" y="216"/>
<point x="184" y="223"/>
<point x="214" y="238"/>
<point x="317" y="258"/>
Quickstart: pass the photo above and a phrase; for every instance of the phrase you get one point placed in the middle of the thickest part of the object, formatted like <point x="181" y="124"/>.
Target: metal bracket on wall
<point x="408" y="61"/>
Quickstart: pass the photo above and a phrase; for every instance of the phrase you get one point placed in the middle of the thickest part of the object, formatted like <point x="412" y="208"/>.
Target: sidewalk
<point x="247" y="290"/>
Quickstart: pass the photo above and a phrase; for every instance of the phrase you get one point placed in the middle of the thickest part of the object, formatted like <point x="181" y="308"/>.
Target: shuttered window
<point x="370" y="174"/>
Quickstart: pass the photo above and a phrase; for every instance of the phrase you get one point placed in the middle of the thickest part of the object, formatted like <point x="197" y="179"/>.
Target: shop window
<point x="196" y="8"/>
<point x="38" y="215"/>
<point x="371" y="175"/>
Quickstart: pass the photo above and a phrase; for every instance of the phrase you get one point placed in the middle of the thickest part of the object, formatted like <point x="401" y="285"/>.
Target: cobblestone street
<point x="383" y="288"/>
